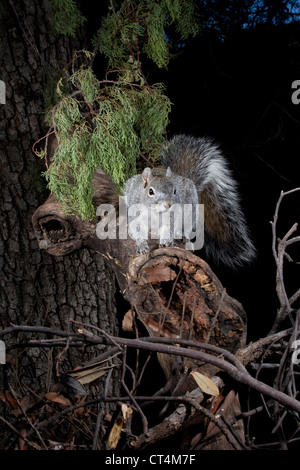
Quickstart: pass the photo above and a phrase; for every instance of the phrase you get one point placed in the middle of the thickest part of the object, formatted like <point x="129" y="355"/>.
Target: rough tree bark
<point x="36" y="288"/>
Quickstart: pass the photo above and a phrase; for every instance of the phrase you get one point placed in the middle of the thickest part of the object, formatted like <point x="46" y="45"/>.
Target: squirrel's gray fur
<point x="200" y="174"/>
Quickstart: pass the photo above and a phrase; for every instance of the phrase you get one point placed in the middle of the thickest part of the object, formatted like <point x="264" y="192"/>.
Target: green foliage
<point x="107" y="124"/>
<point x="140" y="25"/>
<point x="66" y="16"/>
<point x="120" y="122"/>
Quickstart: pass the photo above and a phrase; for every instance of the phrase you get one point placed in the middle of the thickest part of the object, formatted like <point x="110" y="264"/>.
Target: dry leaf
<point x="126" y="411"/>
<point x="22" y="445"/>
<point x="158" y="274"/>
<point x="118" y="426"/>
<point x="58" y="398"/>
<point x="9" y="400"/>
<point x="205" y="384"/>
<point x="127" y="323"/>
<point x="115" y="433"/>
<point x="23" y="405"/>
<point x="87" y="376"/>
<point x="72" y="385"/>
<point x="90" y="373"/>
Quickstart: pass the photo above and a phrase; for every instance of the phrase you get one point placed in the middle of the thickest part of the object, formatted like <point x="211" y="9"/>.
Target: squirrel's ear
<point x="168" y="172"/>
<point x="146" y="175"/>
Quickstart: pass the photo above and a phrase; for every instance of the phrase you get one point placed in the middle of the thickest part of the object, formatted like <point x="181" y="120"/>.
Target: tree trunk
<point x="36" y="288"/>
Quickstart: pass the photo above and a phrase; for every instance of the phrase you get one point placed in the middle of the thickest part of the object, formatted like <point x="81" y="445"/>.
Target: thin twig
<point x="239" y="375"/>
<point x="213" y="322"/>
<point x="183" y="313"/>
<point x="137" y="406"/>
<point x="192" y="319"/>
<point x="279" y="254"/>
<point x="100" y="412"/>
<point x="27" y="418"/>
<point x="18" y="433"/>
<point x="163" y="317"/>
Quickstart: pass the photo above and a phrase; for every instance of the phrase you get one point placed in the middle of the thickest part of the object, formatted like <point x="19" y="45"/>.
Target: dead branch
<point x="280" y="255"/>
<point x="239" y="374"/>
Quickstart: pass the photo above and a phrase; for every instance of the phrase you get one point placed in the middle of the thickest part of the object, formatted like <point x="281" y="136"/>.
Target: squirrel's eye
<point x="174" y="191"/>
<point x="151" y="192"/>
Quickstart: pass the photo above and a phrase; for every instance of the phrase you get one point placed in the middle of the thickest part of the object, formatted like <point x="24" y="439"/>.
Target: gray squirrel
<point x="195" y="172"/>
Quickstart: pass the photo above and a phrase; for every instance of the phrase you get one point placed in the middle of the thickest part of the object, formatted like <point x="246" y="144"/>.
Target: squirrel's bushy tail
<point x="226" y="234"/>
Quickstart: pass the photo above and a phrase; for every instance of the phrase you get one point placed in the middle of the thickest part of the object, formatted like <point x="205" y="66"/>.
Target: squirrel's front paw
<point x="142" y="247"/>
<point x="188" y="244"/>
<point x="163" y="243"/>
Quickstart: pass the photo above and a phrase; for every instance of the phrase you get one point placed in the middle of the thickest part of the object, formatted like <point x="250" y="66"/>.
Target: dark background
<point x="239" y="92"/>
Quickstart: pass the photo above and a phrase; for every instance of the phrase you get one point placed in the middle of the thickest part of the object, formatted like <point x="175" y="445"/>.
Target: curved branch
<point x="239" y="374"/>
